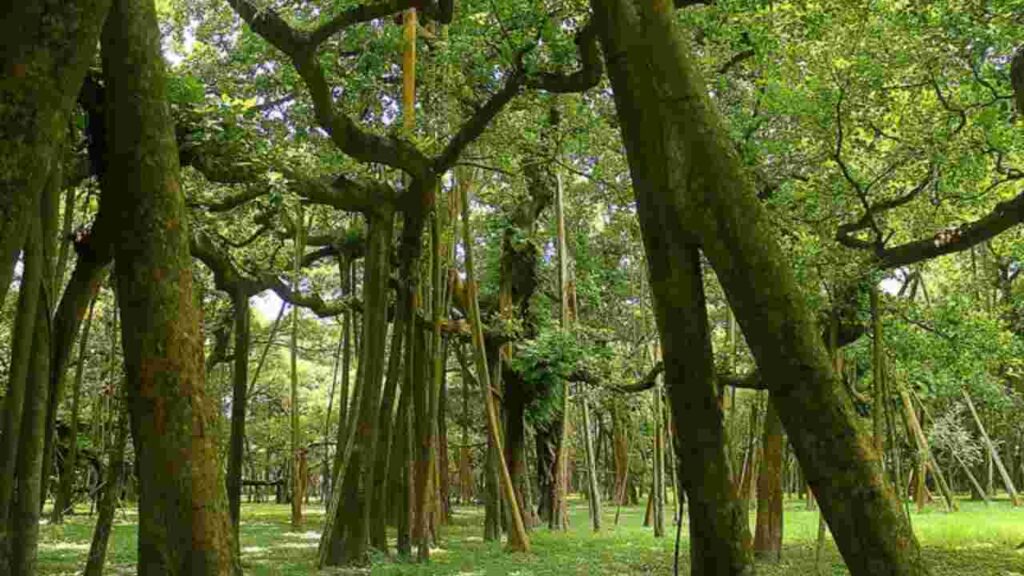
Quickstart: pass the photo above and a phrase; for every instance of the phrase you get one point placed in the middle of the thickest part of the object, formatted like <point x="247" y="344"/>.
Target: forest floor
<point x="977" y="540"/>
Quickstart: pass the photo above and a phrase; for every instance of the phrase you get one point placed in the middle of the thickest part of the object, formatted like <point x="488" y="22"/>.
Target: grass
<point x="978" y="540"/>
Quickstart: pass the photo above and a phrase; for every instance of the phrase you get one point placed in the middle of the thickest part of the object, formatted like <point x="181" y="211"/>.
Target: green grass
<point x="977" y="540"/>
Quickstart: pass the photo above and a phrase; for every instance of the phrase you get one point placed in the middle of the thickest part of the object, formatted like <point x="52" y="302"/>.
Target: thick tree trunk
<point x="684" y="164"/>
<point x="346" y="534"/>
<point x="108" y="502"/>
<point x="45" y="47"/>
<point x="718" y="526"/>
<point x="183" y="519"/>
<point x="515" y="437"/>
<point x="768" y="534"/>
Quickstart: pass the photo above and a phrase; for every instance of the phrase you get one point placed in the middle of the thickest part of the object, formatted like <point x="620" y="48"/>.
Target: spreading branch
<point x="344" y="132"/>
<point x="478" y="122"/>
<point x="1003" y="217"/>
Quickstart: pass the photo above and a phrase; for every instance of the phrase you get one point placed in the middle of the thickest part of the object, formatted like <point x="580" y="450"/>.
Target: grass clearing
<point x="977" y="540"/>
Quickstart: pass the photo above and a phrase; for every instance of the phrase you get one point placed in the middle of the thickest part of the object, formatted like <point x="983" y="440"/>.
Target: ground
<point x="978" y="540"/>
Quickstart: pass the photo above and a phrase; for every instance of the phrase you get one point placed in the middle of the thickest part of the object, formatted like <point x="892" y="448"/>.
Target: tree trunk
<point x="92" y="266"/>
<point x="239" y="398"/>
<point x="925" y="453"/>
<point x="183" y="521"/>
<point x="346" y="533"/>
<point x="768" y="534"/>
<point x="63" y="499"/>
<point x="682" y="161"/>
<point x="296" y="441"/>
<point x="108" y="502"/>
<point x="21" y="367"/>
<point x="27" y="503"/>
<point x="658" y="494"/>
<point x="386" y="467"/>
<point x="45" y="48"/>
<point x="518" y="541"/>
<point x="1007" y="481"/>
<point x="594" y="491"/>
<point x="878" y="371"/>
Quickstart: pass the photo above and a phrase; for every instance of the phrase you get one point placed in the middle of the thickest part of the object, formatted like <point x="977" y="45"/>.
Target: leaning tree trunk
<point x="718" y="525"/>
<point x="690" y="174"/>
<point x="45" y="47"/>
<point x="1007" y="481"/>
<point x="183" y="519"/>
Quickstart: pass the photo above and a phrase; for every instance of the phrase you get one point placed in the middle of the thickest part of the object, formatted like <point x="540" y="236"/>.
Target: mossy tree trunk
<point x="346" y="535"/>
<point x="45" y="47"/>
<point x="19" y="371"/>
<point x="24" y="519"/>
<point x="690" y="175"/>
<point x="183" y="519"/>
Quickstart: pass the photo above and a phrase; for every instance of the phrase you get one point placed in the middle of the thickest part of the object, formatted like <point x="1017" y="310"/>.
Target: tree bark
<point x="768" y="534"/>
<point x="27" y="503"/>
<point x="346" y="533"/>
<point x="677" y="146"/>
<point x="45" y="47"/>
<point x="239" y="399"/>
<point x="183" y="520"/>
<point x="658" y="495"/>
<point x="63" y="499"/>
<point x="21" y="367"/>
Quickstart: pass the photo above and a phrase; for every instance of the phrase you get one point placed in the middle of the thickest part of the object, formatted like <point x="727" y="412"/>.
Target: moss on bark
<point x="183" y="519"/>
<point x="674" y="137"/>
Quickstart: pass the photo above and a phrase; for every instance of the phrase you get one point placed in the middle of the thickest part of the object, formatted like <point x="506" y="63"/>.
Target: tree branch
<point x="1003" y="217"/>
<point x="589" y="74"/>
<point x="478" y="122"/>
